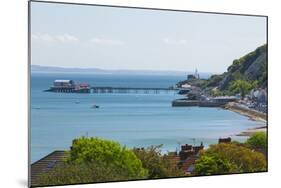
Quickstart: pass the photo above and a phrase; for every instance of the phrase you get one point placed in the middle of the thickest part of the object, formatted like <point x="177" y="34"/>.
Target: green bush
<point x="96" y="150"/>
<point x="95" y="160"/>
<point x="257" y="141"/>
<point x="159" y="166"/>
<point x="213" y="164"/>
<point x="72" y="173"/>
<point x="229" y="158"/>
<point x="242" y="86"/>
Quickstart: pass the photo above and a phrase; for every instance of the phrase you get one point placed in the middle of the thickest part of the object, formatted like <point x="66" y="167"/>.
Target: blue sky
<point x="119" y="38"/>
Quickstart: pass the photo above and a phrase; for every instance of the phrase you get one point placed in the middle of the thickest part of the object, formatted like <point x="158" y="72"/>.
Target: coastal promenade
<point x="252" y="114"/>
<point x="186" y="103"/>
<point x="210" y="102"/>
<point x="244" y="110"/>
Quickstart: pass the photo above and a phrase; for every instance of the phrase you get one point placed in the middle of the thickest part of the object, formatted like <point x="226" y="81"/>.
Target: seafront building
<point x="193" y="76"/>
<point x="69" y="86"/>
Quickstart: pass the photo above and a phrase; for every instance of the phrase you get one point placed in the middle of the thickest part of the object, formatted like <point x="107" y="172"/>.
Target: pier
<point x="134" y="90"/>
<point x="68" y="86"/>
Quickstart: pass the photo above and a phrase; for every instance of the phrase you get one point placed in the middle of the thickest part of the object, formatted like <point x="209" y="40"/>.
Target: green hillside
<point x="251" y="69"/>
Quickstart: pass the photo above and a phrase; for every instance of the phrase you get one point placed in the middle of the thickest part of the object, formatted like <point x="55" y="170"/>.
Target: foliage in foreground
<point x="158" y="165"/>
<point x="95" y="150"/>
<point x="72" y="173"/>
<point x="96" y="160"/>
<point x="257" y="141"/>
<point x="229" y="158"/>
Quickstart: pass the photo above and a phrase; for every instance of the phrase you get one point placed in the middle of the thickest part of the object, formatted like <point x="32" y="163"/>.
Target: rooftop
<point x="63" y="80"/>
<point x="45" y="164"/>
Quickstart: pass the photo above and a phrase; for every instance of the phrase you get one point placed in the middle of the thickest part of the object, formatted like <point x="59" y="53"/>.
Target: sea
<point x="132" y="119"/>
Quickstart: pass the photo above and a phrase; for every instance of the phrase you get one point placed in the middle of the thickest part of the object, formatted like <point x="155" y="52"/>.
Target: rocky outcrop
<point x="256" y="68"/>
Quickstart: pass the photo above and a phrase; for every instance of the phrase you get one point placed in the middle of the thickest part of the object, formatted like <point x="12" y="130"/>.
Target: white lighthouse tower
<point x="196" y="74"/>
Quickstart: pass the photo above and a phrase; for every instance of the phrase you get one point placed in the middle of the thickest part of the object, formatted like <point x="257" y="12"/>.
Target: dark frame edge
<point x="29" y="92"/>
<point x="147" y="8"/>
<point x="267" y="18"/>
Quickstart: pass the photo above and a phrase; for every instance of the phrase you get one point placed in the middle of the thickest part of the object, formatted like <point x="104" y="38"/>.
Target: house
<point x="44" y="165"/>
<point x="82" y="88"/>
<point x="68" y="86"/>
<point x="224" y="140"/>
<point x="64" y="83"/>
<point x="185" y="159"/>
<point x="193" y="76"/>
<point x="224" y="99"/>
<point x="259" y="95"/>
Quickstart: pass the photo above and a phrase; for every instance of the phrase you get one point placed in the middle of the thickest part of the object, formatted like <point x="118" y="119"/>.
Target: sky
<point x="136" y="39"/>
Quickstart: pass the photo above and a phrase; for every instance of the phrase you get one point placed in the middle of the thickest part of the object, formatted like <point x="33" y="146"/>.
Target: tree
<point x="96" y="150"/>
<point x="242" y="87"/>
<point x="158" y="165"/>
<point x="210" y="165"/>
<point x="226" y="158"/>
<point x="73" y="173"/>
<point x="216" y="92"/>
<point x="257" y="141"/>
<point x="95" y="160"/>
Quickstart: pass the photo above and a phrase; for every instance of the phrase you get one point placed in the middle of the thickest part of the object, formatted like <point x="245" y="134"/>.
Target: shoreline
<point x="252" y="115"/>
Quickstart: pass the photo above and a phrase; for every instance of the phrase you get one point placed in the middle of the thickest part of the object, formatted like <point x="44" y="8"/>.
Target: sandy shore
<point x="252" y="114"/>
<point x="249" y="132"/>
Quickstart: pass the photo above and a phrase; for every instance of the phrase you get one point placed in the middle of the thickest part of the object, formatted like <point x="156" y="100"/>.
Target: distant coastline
<point x="55" y="69"/>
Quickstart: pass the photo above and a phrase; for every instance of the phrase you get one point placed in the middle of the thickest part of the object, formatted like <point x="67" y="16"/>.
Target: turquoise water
<point x="135" y="120"/>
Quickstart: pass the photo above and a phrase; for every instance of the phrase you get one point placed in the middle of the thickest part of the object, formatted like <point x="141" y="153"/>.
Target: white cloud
<point x="174" y="41"/>
<point x="66" y="38"/>
<point x="63" y="38"/>
<point x="107" y="42"/>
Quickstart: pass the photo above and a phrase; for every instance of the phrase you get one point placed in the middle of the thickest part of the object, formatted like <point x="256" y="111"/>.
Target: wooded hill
<point x="250" y="68"/>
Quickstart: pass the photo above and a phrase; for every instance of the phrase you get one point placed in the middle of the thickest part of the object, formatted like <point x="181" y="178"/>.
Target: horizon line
<point x="103" y="69"/>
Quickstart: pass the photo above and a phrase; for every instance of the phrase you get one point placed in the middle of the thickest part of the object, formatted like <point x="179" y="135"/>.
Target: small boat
<point x="77" y="102"/>
<point x="95" y="106"/>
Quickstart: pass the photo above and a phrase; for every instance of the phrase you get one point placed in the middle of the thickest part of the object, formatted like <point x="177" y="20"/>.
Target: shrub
<point x="158" y="166"/>
<point x="257" y="141"/>
<point x="96" y="150"/>
<point x="242" y="86"/>
<point x="95" y="160"/>
<point x="72" y="173"/>
<point x="229" y="158"/>
<point x="210" y="165"/>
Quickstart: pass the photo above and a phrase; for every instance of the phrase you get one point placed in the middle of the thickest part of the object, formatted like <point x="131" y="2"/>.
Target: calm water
<point x="132" y="119"/>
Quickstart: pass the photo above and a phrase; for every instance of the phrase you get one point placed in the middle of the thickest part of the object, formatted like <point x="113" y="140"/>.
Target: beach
<point x="252" y="115"/>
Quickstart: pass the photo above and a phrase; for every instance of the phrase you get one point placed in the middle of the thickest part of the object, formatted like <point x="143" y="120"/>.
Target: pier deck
<point x="105" y="89"/>
<point x="155" y="90"/>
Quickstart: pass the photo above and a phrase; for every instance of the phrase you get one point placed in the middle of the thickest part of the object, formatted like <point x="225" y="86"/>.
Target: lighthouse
<point x="196" y="74"/>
